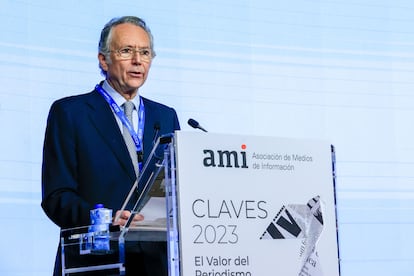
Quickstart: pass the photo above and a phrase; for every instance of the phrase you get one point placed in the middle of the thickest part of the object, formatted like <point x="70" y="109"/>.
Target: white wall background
<point x="326" y="69"/>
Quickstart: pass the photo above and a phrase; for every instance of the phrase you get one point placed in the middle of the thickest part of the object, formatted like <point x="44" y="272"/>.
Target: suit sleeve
<point x="60" y="199"/>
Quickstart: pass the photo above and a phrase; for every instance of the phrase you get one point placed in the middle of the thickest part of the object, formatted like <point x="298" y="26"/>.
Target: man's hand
<point x="121" y="218"/>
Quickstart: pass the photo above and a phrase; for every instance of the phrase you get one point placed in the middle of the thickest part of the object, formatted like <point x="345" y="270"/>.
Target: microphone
<point x="157" y="128"/>
<point x="193" y="123"/>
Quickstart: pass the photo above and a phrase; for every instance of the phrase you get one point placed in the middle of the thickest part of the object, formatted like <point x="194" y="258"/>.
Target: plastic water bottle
<point x="100" y="219"/>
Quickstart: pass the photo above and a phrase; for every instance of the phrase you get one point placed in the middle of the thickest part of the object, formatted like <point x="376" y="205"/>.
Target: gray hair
<point x="106" y="34"/>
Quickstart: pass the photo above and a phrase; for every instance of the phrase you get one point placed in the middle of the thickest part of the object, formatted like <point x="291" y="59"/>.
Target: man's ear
<point x="103" y="62"/>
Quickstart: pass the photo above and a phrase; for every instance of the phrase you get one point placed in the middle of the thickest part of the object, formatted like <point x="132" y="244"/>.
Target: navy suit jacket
<point x="85" y="159"/>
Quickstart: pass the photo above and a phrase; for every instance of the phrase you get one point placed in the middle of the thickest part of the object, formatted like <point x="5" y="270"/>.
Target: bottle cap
<point x="99" y="205"/>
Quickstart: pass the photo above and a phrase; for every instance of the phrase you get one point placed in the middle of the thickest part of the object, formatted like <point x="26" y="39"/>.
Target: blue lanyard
<point x="136" y="137"/>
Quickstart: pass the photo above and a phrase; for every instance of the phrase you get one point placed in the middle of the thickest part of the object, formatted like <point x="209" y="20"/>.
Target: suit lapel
<point x="105" y="123"/>
<point x="151" y="117"/>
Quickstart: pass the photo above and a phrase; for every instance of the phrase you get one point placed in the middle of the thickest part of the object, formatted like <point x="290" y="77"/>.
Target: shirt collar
<point x="119" y="100"/>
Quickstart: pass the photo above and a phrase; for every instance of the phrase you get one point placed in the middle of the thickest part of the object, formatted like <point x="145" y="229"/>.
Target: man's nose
<point x="136" y="57"/>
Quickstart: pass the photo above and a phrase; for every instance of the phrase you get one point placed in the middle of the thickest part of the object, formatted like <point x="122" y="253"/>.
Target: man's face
<point x="126" y="75"/>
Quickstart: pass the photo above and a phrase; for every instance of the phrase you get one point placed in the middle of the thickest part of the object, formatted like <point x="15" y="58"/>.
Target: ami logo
<point x="225" y="158"/>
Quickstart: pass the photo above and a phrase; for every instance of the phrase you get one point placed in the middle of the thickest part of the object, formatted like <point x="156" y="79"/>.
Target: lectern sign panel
<point x="255" y="206"/>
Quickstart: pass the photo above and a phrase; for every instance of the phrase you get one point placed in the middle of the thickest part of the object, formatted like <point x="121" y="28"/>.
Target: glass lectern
<point x="156" y="186"/>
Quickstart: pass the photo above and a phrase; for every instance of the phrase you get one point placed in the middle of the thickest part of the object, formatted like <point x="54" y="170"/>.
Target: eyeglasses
<point x="129" y="52"/>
